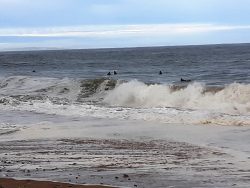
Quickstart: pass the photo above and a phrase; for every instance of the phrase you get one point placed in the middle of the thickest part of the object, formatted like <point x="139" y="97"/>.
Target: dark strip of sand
<point x="11" y="183"/>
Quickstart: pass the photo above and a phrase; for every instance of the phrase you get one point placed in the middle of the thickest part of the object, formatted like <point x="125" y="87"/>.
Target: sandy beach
<point x="11" y="183"/>
<point x="118" y="153"/>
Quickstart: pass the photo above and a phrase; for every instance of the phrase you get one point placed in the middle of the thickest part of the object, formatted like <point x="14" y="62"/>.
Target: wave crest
<point x="66" y="90"/>
<point x="194" y="103"/>
<point x="233" y="99"/>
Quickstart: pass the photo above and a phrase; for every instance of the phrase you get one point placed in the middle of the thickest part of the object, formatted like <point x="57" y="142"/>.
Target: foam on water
<point x="6" y="128"/>
<point x="105" y="98"/>
<point x="164" y="115"/>
<point x="233" y="99"/>
<point x="26" y="85"/>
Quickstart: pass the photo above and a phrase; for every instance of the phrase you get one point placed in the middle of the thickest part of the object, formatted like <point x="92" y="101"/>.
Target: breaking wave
<point x="233" y="98"/>
<point x="193" y="103"/>
<point x="18" y="89"/>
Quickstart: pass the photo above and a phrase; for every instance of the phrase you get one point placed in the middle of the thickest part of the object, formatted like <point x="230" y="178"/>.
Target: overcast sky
<point x="121" y="23"/>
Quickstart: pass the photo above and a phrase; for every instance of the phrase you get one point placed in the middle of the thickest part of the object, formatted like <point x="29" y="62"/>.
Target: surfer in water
<point x="184" y="80"/>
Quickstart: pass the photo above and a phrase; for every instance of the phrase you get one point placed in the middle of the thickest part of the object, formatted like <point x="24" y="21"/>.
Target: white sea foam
<point x="52" y="87"/>
<point x="233" y="99"/>
<point x="159" y="114"/>
<point x="194" y="104"/>
<point x="6" y="128"/>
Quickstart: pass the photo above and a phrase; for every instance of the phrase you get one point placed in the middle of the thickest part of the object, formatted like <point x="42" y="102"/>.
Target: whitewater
<point x="194" y="103"/>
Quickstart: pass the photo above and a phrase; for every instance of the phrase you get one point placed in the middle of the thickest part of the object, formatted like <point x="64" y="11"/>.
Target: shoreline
<point x="124" y="153"/>
<point x="13" y="183"/>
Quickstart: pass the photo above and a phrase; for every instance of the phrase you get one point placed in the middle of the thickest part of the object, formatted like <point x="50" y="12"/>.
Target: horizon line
<point x="37" y="49"/>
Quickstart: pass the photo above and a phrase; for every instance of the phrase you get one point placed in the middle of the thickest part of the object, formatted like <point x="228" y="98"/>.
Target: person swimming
<point x="115" y="73"/>
<point x="160" y="73"/>
<point x="109" y="73"/>
<point x="184" y="80"/>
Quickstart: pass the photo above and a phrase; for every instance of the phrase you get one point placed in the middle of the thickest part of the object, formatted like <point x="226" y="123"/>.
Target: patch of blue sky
<point x="122" y="23"/>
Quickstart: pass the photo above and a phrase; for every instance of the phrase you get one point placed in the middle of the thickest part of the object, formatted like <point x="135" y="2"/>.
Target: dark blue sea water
<point x="212" y="64"/>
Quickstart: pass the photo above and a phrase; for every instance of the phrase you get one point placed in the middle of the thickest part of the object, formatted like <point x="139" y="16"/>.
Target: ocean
<point x="77" y="80"/>
<point x="56" y="96"/>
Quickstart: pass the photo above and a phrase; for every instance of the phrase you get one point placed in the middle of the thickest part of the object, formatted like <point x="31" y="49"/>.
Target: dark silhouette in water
<point x="160" y="73"/>
<point x="34" y="71"/>
<point x="115" y="73"/>
<point x="109" y="74"/>
<point x="184" y="80"/>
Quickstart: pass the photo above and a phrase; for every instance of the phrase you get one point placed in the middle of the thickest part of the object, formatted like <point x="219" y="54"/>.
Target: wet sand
<point x="12" y="183"/>
<point x="120" y="162"/>
<point x="127" y="154"/>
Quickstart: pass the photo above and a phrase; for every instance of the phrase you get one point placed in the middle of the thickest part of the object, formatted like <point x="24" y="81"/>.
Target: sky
<point x="64" y="24"/>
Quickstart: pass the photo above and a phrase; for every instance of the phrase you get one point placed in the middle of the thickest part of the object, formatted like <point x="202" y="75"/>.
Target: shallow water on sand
<point x="96" y="150"/>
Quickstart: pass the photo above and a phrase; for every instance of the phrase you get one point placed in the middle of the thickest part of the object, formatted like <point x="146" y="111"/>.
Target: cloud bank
<point x="109" y="36"/>
<point x="120" y="30"/>
<point x="122" y="23"/>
